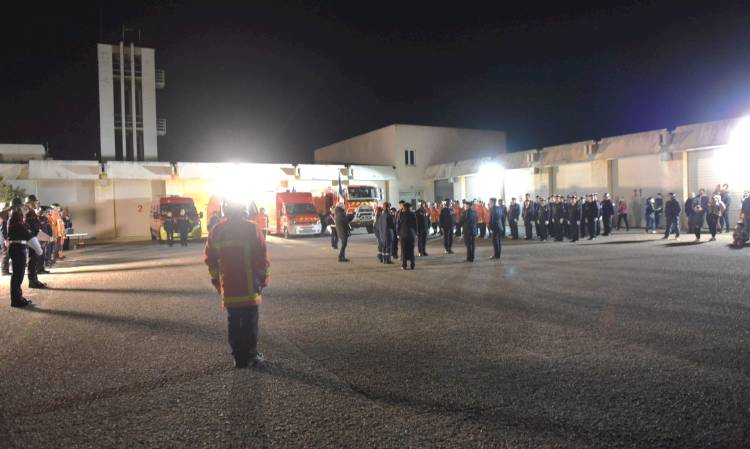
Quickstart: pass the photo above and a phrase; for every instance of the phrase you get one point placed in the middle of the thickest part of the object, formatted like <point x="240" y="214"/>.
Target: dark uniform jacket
<point x="672" y="208"/>
<point x="496" y="218"/>
<point x="33" y="223"/>
<point x="469" y="223"/>
<point x="590" y="211"/>
<point x="543" y="214"/>
<point x="17" y="229"/>
<point x="689" y="206"/>
<point x="574" y="212"/>
<point x="423" y="220"/>
<point x="447" y="219"/>
<point x="342" y="223"/>
<point x="529" y="211"/>
<point x="514" y="212"/>
<point x="407" y="225"/>
<point x="608" y="209"/>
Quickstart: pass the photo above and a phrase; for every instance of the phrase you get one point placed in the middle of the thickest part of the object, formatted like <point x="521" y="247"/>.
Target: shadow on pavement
<point x="622" y="242"/>
<point x="691" y="243"/>
<point x="158" y="326"/>
<point x="129" y="268"/>
<point x="150" y="291"/>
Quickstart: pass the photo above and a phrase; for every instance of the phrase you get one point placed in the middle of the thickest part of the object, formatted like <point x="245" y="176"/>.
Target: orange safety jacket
<point x="480" y="213"/>
<point x="434" y="215"/>
<point x="458" y="211"/>
<point x="262" y="220"/>
<point x="486" y="214"/>
<point x="237" y="262"/>
<point x="54" y="218"/>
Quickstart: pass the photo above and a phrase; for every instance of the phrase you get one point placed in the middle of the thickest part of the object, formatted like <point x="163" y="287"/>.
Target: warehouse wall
<point x="637" y="178"/>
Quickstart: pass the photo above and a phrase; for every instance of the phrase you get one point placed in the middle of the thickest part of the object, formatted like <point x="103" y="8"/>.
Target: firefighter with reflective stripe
<point x="237" y="262"/>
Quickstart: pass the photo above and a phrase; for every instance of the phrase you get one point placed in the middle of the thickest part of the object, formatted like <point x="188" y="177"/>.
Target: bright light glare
<point x="735" y="157"/>
<point x="490" y="179"/>
<point x="243" y="183"/>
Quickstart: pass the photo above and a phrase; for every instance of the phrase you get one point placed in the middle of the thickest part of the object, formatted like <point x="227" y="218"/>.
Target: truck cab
<point x="292" y="214"/>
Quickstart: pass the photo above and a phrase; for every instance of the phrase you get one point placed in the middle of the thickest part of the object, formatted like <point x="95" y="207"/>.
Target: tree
<point x="8" y="192"/>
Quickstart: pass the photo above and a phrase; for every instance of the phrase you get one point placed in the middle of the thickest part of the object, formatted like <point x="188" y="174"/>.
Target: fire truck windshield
<point x="362" y="192"/>
<point x="300" y="208"/>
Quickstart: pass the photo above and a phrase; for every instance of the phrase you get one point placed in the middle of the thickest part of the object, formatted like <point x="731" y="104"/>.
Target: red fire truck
<point x="360" y="200"/>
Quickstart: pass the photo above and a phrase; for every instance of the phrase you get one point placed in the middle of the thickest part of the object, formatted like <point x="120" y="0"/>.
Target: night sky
<point x="270" y="82"/>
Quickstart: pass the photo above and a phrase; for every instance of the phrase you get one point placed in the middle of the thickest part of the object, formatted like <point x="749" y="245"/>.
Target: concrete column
<point x="132" y="97"/>
<point x="122" y="99"/>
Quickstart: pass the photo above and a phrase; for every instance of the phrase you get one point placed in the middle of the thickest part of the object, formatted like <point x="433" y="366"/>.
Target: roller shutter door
<point x="705" y="171"/>
<point x="443" y="190"/>
<point x="637" y="178"/>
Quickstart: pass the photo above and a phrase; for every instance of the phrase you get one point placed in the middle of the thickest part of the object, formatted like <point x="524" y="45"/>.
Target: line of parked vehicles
<point x="289" y="213"/>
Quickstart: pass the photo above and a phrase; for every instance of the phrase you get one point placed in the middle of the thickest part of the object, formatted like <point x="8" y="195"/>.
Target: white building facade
<point x="410" y="149"/>
<point x="128" y="125"/>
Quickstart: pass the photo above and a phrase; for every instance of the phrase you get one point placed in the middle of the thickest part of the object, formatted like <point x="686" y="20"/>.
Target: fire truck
<point x="289" y="213"/>
<point x="359" y="200"/>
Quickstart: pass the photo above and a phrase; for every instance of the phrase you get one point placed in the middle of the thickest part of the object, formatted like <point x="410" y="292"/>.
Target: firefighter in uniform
<point x="407" y="233"/>
<point x="542" y="220"/>
<point x="423" y="228"/>
<point x="18" y="236"/>
<point x="447" y="224"/>
<point x="469" y="230"/>
<point x="34" y="225"/>
<point x="497" y="238"/>
<point x="236" y="257"/>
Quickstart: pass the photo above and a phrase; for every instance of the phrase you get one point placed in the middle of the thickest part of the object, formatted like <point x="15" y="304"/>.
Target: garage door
<point x="518" y="183"/>
<point x="443" y="190"/>
<point x="708" y="168"/>
<point x="637" y="178"/>
<point x="133" y="200"/>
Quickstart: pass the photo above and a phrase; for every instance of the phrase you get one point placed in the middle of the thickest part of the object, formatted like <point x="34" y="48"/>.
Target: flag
<point x="341" y="192"/>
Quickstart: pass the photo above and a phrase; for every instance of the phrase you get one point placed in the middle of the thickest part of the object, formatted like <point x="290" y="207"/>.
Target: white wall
<point x="581" y="178"/>
<point x="106" y="102"/>
<point x="637" y="178"/>
<point x="148" y="88"/>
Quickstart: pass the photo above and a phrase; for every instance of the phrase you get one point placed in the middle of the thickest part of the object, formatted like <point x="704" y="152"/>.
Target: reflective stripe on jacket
<point x="237" y="260"/>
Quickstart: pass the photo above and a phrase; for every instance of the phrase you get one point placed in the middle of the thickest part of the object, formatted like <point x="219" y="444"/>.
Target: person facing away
<point x="214" y="220"/>
<point x="407" y="234"/>
<point x="385" y="225"/>
<point x="423" y="228"/>
<point x="469" y="230"/>
<point x="672" y="211"/>
<point x="238" y="266"/>
<point x="608" y="211"/>
<point x="495" y="219"/>
<point x="514" y="213"/>
<point x="447" y="224"/>
<point x="343" y="230"/>
<point x="651" y="215"/>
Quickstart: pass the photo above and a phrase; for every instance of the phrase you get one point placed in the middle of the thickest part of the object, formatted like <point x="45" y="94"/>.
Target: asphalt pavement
<point x="622" y="342"/>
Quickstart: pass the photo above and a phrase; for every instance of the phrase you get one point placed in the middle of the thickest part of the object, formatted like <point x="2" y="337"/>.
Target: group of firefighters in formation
<point x="556" y="218"/>
<point x="33" y="239"/>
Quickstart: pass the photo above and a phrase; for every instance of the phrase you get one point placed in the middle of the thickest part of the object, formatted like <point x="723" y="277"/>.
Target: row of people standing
<point x="21" y="227"/>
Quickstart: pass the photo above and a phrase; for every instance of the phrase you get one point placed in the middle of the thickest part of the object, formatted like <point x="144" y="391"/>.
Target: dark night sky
<point x="269" y="83"/>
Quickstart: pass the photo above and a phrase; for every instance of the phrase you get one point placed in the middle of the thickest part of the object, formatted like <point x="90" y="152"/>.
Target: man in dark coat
<point x="542" y="219"/>
<point x="407" y="233"/>
<point x="672" y="211"/>
<point x="18" y="235"/>
<point x="658" y="208"/>
<point x="34" y="225"/>
<point x="495" y="218"/>
<point x="423" y="227"/>
<point x="514" y="213"/>
<point x="342" y="229"/>
<point x="590" y="214"/>
<point x="527" y="214"/>
<point x="573" y="213"/>
<point x="608" y="211"/>
<point x="385" y="229"/>
<point x="559" y="218"/>
<point x="447" y="224"/>
<point x="469" y="230"/>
